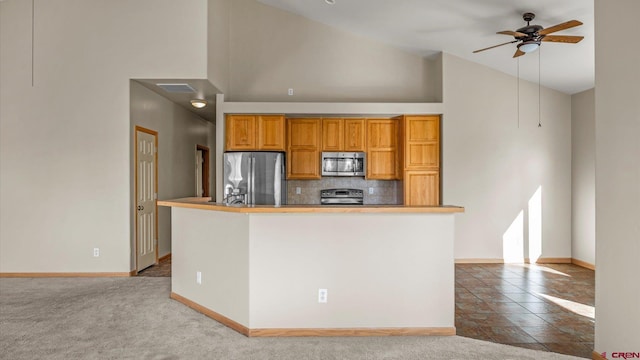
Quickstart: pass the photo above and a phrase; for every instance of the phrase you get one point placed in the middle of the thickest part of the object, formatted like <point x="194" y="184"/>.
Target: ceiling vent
<point x="177" y="88"/>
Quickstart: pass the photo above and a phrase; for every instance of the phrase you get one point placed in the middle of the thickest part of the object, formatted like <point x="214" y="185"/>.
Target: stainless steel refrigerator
<point x="254" y="178"/>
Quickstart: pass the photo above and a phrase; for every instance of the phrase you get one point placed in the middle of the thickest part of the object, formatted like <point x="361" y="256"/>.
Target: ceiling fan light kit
<point x="529" y="46"/>
<point x="530" y="37"/>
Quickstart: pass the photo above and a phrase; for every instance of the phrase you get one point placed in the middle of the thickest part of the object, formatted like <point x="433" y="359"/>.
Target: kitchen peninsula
<point x="297" y="270"/>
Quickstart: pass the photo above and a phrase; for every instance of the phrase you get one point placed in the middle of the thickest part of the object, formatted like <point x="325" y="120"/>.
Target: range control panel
<point x="342" y="197"/>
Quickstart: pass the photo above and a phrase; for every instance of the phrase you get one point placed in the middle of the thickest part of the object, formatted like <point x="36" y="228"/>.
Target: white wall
<point x="216" y="244"/>
<point x="270" y="50"/>
<point x="65" y="142"/>
<point x="617" y="123"/>
<point x="494" y="164"/>
<point x="583" y="177"/>
<point x="218" y="43"/>
<point x="179" y="131"/>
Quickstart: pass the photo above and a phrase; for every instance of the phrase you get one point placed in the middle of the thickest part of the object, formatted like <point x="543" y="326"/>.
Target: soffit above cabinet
<point x="329" y="109"/>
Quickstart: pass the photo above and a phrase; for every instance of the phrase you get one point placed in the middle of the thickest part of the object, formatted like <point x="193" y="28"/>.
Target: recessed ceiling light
<point x="330" y="2"/>
<point x="198" y="103"/>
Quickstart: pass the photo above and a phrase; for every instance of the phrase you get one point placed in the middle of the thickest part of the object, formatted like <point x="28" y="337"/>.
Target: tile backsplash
<point x="385" y="192"/>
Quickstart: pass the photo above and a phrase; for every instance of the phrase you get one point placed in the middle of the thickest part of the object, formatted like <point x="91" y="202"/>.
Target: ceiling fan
<point x="530" y="36"/>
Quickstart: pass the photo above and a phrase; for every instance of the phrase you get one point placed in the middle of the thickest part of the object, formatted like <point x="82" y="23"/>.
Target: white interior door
<point x="146" y="237"/>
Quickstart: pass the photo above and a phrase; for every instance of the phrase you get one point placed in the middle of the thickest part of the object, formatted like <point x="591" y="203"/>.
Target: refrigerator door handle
<point x="253" y="180"/>
<point x="247" y="199"/>
<point x="278" y="190"/>
<point x="283" y="183"/>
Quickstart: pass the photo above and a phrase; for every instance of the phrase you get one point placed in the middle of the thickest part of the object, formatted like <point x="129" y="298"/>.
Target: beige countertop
<point x="205" y="204"/>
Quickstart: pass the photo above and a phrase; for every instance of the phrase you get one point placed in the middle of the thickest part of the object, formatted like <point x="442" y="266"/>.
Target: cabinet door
<point x="422" y="188"/>
<point x="382" y="154"/>
<point x="381" y="165"/>
<point x="271" y="132"/>
<point x="303" y="164"/>
<point x="381" y="134"/>
<point x="303" y="148"/>
<point x="354" y="135"/>
<point x="422" y="145"/>
<point x="241" y="132"/>
<point x="332" y="134"/>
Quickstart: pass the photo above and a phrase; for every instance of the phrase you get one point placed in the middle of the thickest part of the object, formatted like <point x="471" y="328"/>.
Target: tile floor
<point x="542" y="307"/>
<point x="545" y="307"/>
<point x="162" y="269"/>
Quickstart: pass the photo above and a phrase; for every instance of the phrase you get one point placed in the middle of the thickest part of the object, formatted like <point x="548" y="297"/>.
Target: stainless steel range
<point x="341" y="197"/>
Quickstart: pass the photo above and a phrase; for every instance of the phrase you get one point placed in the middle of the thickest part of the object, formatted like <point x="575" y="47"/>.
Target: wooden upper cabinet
<point x="382" y="165"/>
<point x="303" y="148"/>
<point x="382" y="152"/>
<point x="332" y="135"/>
<point x="382" y="134"/>
<point x="421" y="142"/>
<point x="343" y="135"/>
<point x="271" y="132"/>
<point x="354" y="135"/>
<point x="255" y="132"/>
<point x="304" y="133"/>
<point x="241" y="132"/>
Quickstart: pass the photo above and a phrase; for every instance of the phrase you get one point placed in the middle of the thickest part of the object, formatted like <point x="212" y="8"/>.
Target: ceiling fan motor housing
<point x="530" y="30"/>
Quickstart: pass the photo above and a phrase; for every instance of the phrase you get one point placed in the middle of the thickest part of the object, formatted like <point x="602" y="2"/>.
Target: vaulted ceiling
<point x="459" y="27"/>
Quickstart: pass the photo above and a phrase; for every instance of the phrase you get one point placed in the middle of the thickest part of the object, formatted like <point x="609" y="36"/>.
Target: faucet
<point x="234" y="196"/>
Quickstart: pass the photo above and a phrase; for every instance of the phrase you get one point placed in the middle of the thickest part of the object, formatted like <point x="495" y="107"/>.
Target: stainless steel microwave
<point x="343" y="164"/>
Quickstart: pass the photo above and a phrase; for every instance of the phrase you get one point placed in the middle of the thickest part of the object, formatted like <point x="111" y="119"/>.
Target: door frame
<point x="205" y="169"/>
<point x="155" y="170"/>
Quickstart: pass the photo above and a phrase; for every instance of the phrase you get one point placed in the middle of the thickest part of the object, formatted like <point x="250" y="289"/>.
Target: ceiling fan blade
<point x="563" y="38"/>
<point x="512" y="33"/>
<point x="518" y="53"/>
<point x="563" y="26"/>
<point x="495" y="46"/>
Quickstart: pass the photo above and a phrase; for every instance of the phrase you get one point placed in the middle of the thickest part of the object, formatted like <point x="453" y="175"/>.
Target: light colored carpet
<point x="133" y="318"/>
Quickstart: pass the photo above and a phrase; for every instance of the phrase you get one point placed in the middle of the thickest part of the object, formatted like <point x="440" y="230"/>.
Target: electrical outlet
<point x="96" y="252"/>
<point x="322" y="295"/>
<point x="290" y="92"/>
<point x="298" y="190"/>
<point x="370" y="191"/>
<point x="198" y="278"/>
